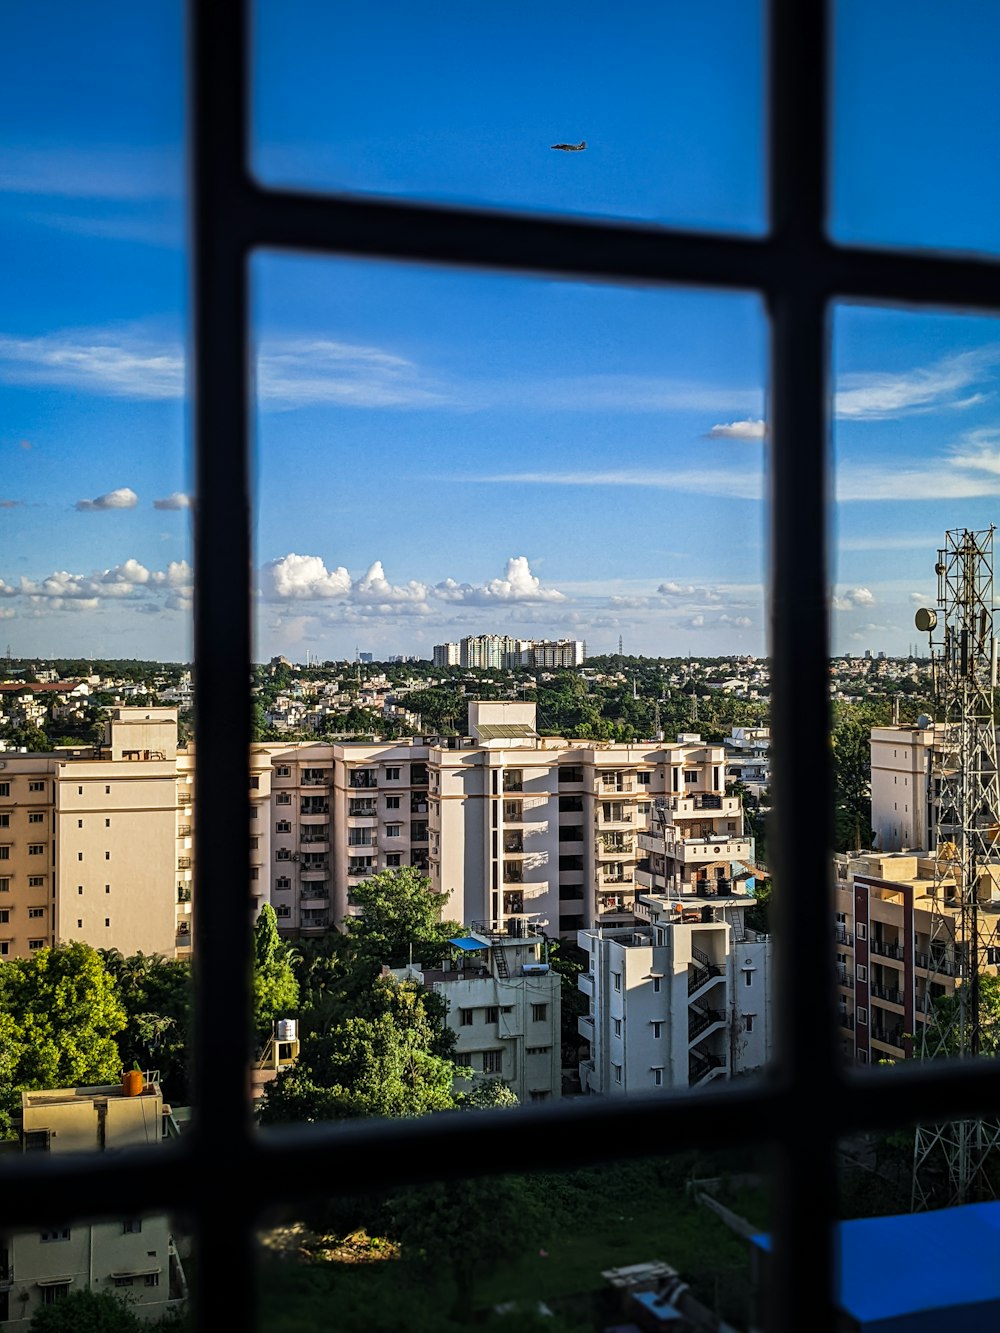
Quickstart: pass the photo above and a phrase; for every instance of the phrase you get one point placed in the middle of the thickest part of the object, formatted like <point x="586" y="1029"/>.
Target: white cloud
<point x="729" y="484"/>
<point x="303" y="577"/>
<point x="673" y="589"/>
<point x="883" y="396"/>
<point x="299" y="372"/>
<point x="7" y="613"/>
<point x="921" y="599"/>
<point x="375" y="587"/>
<point x="177" y="500"/>
<point x="517" y="585"/>
<point x="739" y="430"/>
<point x="122" y="498"/>
<point x="851" y="599"/>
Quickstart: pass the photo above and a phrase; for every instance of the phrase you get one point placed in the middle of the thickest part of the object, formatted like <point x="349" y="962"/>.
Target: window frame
<point x="799" y="273"/>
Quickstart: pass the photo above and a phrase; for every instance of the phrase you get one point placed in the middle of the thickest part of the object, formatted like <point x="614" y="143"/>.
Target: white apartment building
<point x="131" y="1256"/>
<point x="902" y="804"/>
<point x="679" y="999"/>
<point x="748" y="757"/>
<point x="447" y="654"/>
<point x="504" y="1006"/>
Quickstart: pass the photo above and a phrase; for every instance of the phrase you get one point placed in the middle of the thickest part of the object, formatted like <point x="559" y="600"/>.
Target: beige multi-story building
<point x="89" y="841"/>
<point x="898" y="935"/>
<point x="509" y="825"/>
<point x="133" y="1257"/>
<point x="504" y="1006"/>
<point x="902" y="802"/>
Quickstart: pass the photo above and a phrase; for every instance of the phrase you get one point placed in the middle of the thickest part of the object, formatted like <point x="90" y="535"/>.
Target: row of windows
<point x="33" y="786"/>
<point x="34" y="881"/>
<point x="34" y="817"/>
<point x="491" y="1014"/>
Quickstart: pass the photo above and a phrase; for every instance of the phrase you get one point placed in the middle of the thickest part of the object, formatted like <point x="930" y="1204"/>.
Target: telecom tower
<point x="965" y="792"/>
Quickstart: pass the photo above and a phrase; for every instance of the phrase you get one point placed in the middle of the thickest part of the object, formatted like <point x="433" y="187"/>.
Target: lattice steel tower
<point x="950" y="1159"/>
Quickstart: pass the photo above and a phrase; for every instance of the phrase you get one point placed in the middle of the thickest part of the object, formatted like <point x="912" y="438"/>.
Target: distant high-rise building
<point x="447" y="654"/>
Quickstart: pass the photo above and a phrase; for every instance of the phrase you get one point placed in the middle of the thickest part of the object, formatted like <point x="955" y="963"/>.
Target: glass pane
<point x="913" y="684"/>
<point x="510" y="571"/>
<point x="663" y="104"/>
<point x="914" y="129"/>
<point x="578" y="1249"/>
<point x="96" y="838"/>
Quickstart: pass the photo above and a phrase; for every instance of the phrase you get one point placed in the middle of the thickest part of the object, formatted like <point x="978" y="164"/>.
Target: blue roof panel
<point x="892" y="1266"/>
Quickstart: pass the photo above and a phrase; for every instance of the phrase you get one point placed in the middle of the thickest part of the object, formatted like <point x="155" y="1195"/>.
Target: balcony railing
<point x="888" y="1036"/>
<point x="886" y="949"/>
<point x="846" y="1020"/>
<point x="947" y="967"/>
<point x="315" y="808"/>
<point x="363" y="779"/>
<point x="184" y="863"/>
<point x="183" y="894"/>
<point x="891" y="993"/>
<point x="843" y="936"/>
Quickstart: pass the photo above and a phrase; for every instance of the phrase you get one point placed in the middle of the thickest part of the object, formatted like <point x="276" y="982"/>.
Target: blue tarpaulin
<point x="893" y="1270"/>
<point x="470" y="945"/>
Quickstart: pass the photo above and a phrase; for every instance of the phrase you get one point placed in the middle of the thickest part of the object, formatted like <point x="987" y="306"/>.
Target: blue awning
<point x="470" y="945"/>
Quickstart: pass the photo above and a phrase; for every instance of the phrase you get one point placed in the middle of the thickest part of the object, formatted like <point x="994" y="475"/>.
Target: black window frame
<point x="222" y="1175"/>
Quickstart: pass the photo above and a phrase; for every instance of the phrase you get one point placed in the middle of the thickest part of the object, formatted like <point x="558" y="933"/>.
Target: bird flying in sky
<point x="571" y="147"/>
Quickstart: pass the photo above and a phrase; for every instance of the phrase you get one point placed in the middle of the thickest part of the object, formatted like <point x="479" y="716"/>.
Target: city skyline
<point x="442" y="453"/>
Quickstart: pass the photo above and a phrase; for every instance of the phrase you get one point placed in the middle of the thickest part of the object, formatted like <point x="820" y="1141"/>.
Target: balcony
<point x="316" y="780"/>
<point x="184" y="863"/>
<point x="585" y="1027"/>
<point x="886" y="949"/>
<point x="418" y="806"/>
<point x="605" y="847"/>
<point x="513" y="812"/>
<point x="364" y="809"/>
<point x="891" y="993"/>
<point x="940" y="963"/>
<point x="625" y="877"/>
<point x="585" y="983"/>
<point x="315" y="868"/>
<point x="888" y="1036"/>
<point x="311" y="839"/>
<point x="843" y="936"/>
<point x="314" y="922"/>
<point x="314" y="809"/>
<point x="845" y="1020"/>
<point x="315" y="896"/>
<point x="184" y="798"/>
<point x="512" y="783"/>
<point x="513" y="843"/>
<point x="183" y="893"/>
<point x="362" y="779"/>
<point x="603" y="787"/>
<point x="183" y="830"/>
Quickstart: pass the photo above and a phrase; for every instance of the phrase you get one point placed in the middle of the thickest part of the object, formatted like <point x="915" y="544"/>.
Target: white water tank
<point x="285" y="1029"/>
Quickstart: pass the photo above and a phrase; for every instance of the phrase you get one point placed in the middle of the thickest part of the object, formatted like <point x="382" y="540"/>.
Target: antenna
<point x="965" y="790"/>
<point x="620" y="653"/>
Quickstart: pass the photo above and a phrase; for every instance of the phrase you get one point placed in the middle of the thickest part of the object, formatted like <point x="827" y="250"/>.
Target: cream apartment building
<point x="902" y="802"/>
<point x="508" y="825"/>
<point x="92" y="842"/>
<point x="131" y="1256"/>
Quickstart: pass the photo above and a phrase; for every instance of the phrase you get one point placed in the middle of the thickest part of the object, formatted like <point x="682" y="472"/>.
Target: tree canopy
<point x="60" y="1015"/>
<point x="275" y="989"/>
<point x="400" y="912"/>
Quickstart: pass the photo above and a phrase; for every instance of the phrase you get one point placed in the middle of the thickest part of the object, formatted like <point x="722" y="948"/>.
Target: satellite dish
<point x="923" y="721"/>
<point x="925" y="620"/>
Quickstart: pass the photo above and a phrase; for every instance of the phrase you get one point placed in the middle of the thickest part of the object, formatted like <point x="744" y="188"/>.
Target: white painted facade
<point x="504" y="1006"/>
<point x="900" y="773"/>
<point x="678" y="1000"/>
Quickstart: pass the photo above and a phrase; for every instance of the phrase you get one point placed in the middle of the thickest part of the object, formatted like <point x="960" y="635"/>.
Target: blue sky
<point x="441" y="453"/>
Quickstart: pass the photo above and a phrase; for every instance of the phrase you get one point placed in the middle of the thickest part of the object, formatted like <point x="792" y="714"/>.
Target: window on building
<point x="36" y="817"/>
<point x="392" y="774"/>
<point x="616" y="1027"/>
<point x="36" y="849"/>
<point x="392" y="802"/>
<point x="283" y="826"/>
<point x="657" y="1078"/>
<point x="657" y="1029"/>
<point x="861" y="1015"/>
<point x="862" y="972"/>
<point x="5" y="884"/>
<point x="53" y="1292"/>
<point x="33" y="945"/>
<point x="492" y="1062"/>
<point x="34" y="913"/>
<point x="283" y="771"/>
<point x="52" y="1233"/>
<point x="4" y="853"/>
<point x="132" y="1226"/>
<point x="393" y="830"/>
<point x="151" y="1280"/>
<point x="748" y="1022"/>
<point x="861" y="931"/>
<point x="123" y="1281"/>
<point x="492" y="1014"/>
<point x="393" y="860"/>
<point x="538" y="1050"/>
<point x="616" y="978"/>
<point x="283" y="798"/>
<point x="4" y="788"/>
<point x="32" y="786"/>
<point x="539" y="1013"/>
<point x="643" y="778"/>
<point x="656" y="985"/>
<point x="616" y="1073"/>
<point x="465" y="1017"/>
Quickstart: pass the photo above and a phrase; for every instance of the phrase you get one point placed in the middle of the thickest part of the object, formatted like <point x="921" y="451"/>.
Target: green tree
<point x="275" y="989"/>
<point x="87" y="1311"/>
<point x="391" y="1060"/>
<point x="469" y="1228"/>
<point x="60" y="1015"/>
<point x="400" y="912"/>
<point x="157" y="996"/>
<point x="492" y="1094"/>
